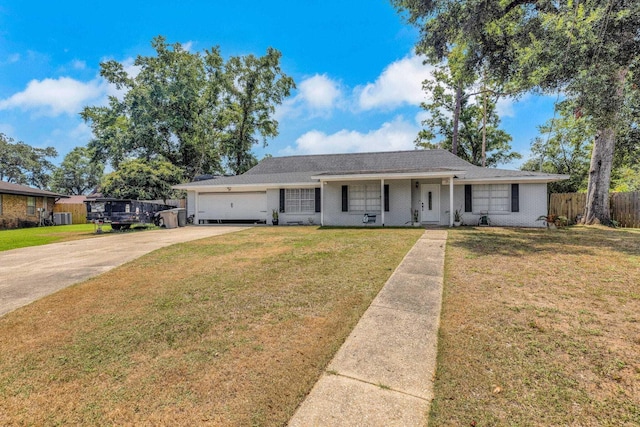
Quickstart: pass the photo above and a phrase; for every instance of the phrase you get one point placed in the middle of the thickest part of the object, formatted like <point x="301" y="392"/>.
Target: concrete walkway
<point x="27" y="274"/>
<point x="383" y="373"/>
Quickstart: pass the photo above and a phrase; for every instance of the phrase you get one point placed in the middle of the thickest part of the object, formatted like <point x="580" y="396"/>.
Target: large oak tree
<point x="587" y="49"/>
<point x="194" y="110"/>
<point x="77" y="174"/>
<point x="21" y="163"/>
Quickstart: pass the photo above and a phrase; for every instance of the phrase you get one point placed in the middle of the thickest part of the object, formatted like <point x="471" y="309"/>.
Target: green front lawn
<point x="24" y="237"/>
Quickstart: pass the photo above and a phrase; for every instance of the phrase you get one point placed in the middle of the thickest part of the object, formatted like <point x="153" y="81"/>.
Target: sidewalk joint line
<point x="338" y="374"/>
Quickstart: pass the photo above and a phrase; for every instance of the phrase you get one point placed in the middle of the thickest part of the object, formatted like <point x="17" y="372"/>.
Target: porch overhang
<point x="448" y="175"/>
<point x="388" y="175"/>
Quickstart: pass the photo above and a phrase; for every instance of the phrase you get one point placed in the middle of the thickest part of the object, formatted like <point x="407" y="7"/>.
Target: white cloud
<point x="81" y="132"/>
<point x="504" y="107"/>
<point x="317" y="96"/>
<point x="55" y="96"/>
<point x="400" y="83"/>
<point x="319" y="92"/>
<point x="398" y="134"/>
<point x="78" y="64"/>
<point x="187" y="46"/>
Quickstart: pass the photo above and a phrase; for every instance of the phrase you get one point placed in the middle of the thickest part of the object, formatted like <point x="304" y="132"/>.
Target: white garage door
<point x="233" y="206"/>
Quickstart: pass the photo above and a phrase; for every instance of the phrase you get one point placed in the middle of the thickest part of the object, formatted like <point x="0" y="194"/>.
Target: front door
<point x="430" y="203"/>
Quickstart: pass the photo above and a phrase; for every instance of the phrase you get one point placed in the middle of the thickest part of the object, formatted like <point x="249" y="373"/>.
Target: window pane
<point x="31" y="205"/>
<point x="491" y="198"/>
<point x="500" y="198"/>
<point x="481" y="198"/>
<point x="364" y="198"/>
<point x="292" y="200"/>
<point x="300" y="200"/>
<point x="373" y="198"/>
<point x="307" y="200"/>
<point x="357" y="198"/>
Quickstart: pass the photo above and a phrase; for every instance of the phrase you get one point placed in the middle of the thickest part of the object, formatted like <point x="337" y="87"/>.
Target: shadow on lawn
<point x="525" y="241"/>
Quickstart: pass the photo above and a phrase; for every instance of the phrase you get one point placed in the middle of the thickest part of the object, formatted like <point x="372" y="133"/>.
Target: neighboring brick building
<point x="23" y="206"/>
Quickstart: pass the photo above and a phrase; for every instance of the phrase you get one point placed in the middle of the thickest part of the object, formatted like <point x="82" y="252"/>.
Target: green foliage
<point x="23" y="164"/>
<point x="254" y="86"/>
<point x="585" y="49"/>
<point x="192" y="109"/>
<point x="626" y="179"/>
<point x="440" y="125"/>
<point x="77" y="173"/>
<point x="142" y="180"/>
<point x="564" y="147"/>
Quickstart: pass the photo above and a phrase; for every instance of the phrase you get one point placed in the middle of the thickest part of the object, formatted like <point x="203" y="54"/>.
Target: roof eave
<point x="393" y="175"/>
<point x="246" y="187"/>
<point x="514" y="179"/>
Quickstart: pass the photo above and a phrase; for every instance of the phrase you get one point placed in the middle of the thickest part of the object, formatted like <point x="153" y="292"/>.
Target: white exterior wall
<point x="191" y="203"/>
<point x="284" y="218"/>
<point x="533" y="204"/>
<point x="399" y="204"/>
<point x="404" y="197"/>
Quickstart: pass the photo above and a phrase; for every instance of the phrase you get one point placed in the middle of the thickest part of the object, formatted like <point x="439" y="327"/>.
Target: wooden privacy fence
<point x="78" y="211"/>
<point x="625" y="207"/>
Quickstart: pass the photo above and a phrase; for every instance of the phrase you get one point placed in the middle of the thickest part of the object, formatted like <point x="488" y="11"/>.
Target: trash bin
<point x="182" y="216"/>
<point x="168" y="218"/>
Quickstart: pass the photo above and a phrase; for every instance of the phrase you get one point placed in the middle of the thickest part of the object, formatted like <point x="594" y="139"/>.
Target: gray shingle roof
<point x="300" y="169"/>
<point x="23" y="190"/>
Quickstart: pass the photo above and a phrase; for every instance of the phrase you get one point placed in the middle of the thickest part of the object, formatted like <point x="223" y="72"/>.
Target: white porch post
<point x="196" y="217"/>
<point x="451" y="202"/>
<point x="322" y="184"/>
<point x="382" y="200"/>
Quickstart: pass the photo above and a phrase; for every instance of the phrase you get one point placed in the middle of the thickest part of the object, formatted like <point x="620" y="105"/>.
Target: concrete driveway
<point x="28" y="274"/>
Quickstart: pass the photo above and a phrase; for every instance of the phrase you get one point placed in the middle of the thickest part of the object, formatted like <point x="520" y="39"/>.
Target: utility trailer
<point x="122" y="213"/>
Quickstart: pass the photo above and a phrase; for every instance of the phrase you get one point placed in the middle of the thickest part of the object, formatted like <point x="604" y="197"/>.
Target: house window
<point x="0" y="204"/>
<point x="364" y="198"/>
<point x="31" y="205"/>
<point x="298" y="200"/>
<point x="491" y="198"/>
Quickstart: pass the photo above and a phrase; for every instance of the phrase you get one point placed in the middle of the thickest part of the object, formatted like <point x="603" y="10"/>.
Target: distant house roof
<point x="23" y="190"/>
<point x="73" y="200"/>
<point x="310" y="169"/>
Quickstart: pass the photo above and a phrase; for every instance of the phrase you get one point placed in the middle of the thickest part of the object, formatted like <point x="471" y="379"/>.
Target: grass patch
<point x="539" y="327"/>
<point x="36" y="236"/>
<point x="230" y="330"/>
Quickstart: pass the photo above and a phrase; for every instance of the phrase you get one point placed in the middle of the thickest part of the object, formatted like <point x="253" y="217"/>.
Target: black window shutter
<point x="386" y="197"/>
<point x="318" y="200"/>
<point x="515" y="198"/>
<point x="345" y="198"/>
<point x="282" y="200"/>
<point x="467" y="198"/>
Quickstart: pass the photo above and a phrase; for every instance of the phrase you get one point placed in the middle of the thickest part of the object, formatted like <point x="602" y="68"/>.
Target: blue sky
<point x="359" y="83"/>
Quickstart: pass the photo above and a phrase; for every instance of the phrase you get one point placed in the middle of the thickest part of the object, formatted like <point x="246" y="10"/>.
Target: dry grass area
<point x="540" y="328"/>
<point x="231" y="330"/>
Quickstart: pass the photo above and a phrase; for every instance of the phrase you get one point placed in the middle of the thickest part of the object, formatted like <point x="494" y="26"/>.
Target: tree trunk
<point x="484" y="128"/>
<point x="596" y="210"/>
<point x="456" y="120"/>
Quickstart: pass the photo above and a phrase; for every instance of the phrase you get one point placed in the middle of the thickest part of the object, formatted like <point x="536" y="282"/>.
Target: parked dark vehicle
<point x="122" y="214"/>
